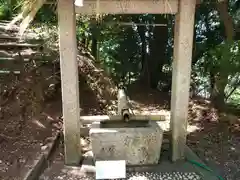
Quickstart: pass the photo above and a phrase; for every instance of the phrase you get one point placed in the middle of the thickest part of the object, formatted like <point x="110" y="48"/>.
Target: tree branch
<point x="234" y="89"/>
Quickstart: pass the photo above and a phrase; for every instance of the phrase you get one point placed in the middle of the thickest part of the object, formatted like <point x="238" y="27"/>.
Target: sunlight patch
<point x="38" y="123"/>
<point x="192" y="128"/>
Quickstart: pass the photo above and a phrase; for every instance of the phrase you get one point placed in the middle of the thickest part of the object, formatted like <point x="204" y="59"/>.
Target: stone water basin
<point x="137" y="142"/>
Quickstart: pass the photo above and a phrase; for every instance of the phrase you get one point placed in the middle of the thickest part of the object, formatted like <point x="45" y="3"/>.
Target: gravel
<point x="143" y="176"/>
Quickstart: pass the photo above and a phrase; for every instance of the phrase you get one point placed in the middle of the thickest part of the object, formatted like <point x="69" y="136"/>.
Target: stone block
<point x="136" y="145"/>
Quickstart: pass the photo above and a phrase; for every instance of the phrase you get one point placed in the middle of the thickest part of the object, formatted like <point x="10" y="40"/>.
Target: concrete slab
<point x="181" y="170"/>
<point x="136" y="145"/>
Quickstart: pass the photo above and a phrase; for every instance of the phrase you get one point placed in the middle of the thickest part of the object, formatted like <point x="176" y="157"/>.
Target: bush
<point x="5" y="12"/>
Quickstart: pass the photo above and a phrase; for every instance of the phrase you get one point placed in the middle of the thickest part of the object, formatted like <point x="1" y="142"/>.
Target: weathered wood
<point x="69" y="81"/>
<point x="183" y="43"/>
<point x="128" y="7"/>
<point x="101" y="118"/>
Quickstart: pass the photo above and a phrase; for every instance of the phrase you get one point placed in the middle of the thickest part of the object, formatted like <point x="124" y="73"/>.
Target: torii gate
<point x="183" y="44"/>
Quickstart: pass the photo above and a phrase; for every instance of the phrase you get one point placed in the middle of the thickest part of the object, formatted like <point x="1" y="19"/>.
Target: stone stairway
<point x="16" y="51"/>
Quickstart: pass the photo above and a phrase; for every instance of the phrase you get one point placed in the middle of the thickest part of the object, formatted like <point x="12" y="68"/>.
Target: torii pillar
<point x="69" y="81"/>
<point x="182" y="60"/>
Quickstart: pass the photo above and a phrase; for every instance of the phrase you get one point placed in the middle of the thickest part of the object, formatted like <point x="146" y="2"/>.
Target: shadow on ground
<point x="215" y="138"/>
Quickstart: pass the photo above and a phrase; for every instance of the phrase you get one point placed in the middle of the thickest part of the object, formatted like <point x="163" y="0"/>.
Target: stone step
<point x="5" y="36"/>
<point x="17" y="58"/>
<point x="13" y="29"/>
<point x="5" y="72"/>
<point x="15" y="45"/>
<point x="13" y="37"/>
<point x="25" y="53"/>
<point x="13" y="59"/>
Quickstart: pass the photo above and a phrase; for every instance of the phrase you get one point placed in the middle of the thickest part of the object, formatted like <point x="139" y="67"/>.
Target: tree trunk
<point x="94" y="47"/>
<point x="227" y="20"/>
<point x="220" y="82"/>
<point x="144" y="64"/>
<point x="212" y="81"/>
<point x="218" y="94"/>
<point x="157" y="51"/>
<point x="94" y="38"/>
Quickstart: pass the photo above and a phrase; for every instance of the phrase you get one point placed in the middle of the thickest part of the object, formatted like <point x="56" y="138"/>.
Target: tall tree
<point x="221" y="78"/>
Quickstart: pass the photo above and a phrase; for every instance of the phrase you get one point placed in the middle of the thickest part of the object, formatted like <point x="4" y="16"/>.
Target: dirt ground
<point x="215" y="141"/>
<point x="22" y="142"/>
<point x="214" y="137"/>
<point x="26" y="134"/>
<point x="30" y="102"/>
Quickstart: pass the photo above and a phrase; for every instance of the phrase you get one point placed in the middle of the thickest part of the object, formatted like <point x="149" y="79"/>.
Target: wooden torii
<point x="184" y="11"/>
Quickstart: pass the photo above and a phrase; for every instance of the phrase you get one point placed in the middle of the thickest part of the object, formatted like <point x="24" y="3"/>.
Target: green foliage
<point x="235" y="98"/>
<point x="224" y="58"/>
<point x="4" y="12"/>
<point x="217" y="61"/>
<point x="222" y="61"/>
<point x="7" y="9"/>
<point x="118" y="46"/>
<point x="46" y="15"/>
<point x="120" y="53"/>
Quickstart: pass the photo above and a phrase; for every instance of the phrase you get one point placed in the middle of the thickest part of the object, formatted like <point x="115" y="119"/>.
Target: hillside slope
<point x="30" y="97"/>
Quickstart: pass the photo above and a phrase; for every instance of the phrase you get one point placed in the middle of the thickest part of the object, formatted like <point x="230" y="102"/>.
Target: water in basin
<point x="123" y="124"/>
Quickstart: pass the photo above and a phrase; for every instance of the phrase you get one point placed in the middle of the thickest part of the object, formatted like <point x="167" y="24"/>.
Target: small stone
<point x="22" y="160"/>
<point x="43" y="148"/>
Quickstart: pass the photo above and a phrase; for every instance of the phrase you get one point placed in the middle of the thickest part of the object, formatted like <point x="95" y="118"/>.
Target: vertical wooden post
<point x="183" y="43"/>
<point x="69" y="80"/>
